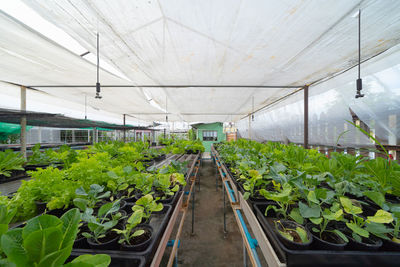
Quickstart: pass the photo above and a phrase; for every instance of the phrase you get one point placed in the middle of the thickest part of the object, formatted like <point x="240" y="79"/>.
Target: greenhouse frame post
<point x="124" y="128"/>
<point x="305" y="116"/>
<point x="94" y="141"/>
<point x="23" y="122"/>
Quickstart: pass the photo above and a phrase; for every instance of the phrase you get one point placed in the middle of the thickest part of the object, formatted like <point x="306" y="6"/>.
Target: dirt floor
<point x="209" y="246"/>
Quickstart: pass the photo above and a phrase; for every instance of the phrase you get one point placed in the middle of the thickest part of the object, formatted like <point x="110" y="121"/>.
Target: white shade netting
<point x="223" y="43"/>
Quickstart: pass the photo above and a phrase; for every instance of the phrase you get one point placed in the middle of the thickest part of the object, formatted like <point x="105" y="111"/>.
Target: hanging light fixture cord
<point x="98" y="96"/>
<point x="359" y="80"/>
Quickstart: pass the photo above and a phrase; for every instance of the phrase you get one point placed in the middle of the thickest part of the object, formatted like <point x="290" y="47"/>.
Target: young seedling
<point x="91" y="198"/>
<point x="284" y="197"/>
<point x="361" y="227"/>
<point x="335" y="213"/>
<point x="107" y="217"/>
<point x="127" y="234"/>
<point x="147" y="205"/>
<point x="290" y="233"/>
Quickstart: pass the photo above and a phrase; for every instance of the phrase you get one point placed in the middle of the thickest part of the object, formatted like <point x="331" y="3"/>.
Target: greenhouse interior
<point x="199" y="133"/>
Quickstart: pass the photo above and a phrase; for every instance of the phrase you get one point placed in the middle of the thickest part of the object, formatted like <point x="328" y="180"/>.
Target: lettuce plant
<point x="46" y="241"/>
<point x="147" y="205"/>
<point x="10" y="161"/>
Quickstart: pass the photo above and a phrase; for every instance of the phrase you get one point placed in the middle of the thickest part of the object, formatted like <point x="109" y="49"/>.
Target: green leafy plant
<point x="362" y="227"/>
<point x="10" y="161"/>
<point x="101" y="224"/>
<point x="128" y="232"/>
<point x="45" y="241"/>
<point x="253" y="181"/>
<point x="334" y="213"/>
<point x="284" y="197"/>
<point x="297" y="234"/>
<point x="90" y="198"/>
<point x="147" y="205"/>
<point x="175" y="167"/>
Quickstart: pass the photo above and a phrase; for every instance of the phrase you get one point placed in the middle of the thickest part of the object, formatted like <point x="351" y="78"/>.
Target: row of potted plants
<point x="55" y="188"/>
<point x="343" y="202"/>
<point x="13" y="165"/>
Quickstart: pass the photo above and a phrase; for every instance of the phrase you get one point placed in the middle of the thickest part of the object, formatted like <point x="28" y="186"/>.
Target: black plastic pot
<point x="329" y="258"/>
<point x="148" y="162"/>
<point x="35" y="166"/>
<point x="159" y="158"/>
<point x="390" y="245"/>
<point x="81" y="241"/>
<point x="280" y="224"/>
<point x="173" y="199"/>
<point x="110" y="242"/>
<point x="368" y="244"/>
<point x="142" y="245"/>
<point x="321" y="244"/>
<point x="57" y="212"/>
<point x="158" y="222"/>
<point x="392" y="198"/>
<point x="40" y="207"/>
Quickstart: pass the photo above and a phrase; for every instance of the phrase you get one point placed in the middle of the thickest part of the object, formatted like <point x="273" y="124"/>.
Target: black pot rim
<point x="315" y="236"/>
<point x="91" y="241"/>
<point x="140" y="226"/>
<point x="309" y="235"/>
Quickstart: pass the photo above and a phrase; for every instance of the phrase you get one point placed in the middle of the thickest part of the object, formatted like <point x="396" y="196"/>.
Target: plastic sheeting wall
<point x="329" y="108"/>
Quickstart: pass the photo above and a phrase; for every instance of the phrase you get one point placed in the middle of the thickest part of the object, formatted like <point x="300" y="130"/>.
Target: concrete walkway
<point x="208" y="246"/>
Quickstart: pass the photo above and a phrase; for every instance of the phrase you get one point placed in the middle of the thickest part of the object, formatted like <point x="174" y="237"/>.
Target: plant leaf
<point x="295" y="215"/>
<point x="309" y="212"/>
<point x="357" y="229"/>
<point x="98" y="260"/>
<point x="341" y="235"/>
<point x="11" y="244"/>
<point x="381" y="216"/>
<point x="302" y="233"/>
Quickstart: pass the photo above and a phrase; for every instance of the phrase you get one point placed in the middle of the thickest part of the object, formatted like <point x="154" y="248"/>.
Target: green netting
<point x="7" y="129"/>
<point x="99" y="128"/>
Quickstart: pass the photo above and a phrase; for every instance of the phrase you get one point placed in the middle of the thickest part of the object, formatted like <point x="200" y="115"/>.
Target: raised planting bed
<point x="316" y="211"/>
<point x="119" y="257"/>
<point x="314" y="257"/>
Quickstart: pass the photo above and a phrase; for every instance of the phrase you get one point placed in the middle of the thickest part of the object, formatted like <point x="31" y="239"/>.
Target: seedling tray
<point x="159" y="221"/>
<point x="324" y="257"/>
<point x="15" y="175"/>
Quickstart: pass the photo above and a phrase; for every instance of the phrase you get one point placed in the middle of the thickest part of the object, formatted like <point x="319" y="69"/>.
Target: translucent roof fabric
<point x="223" y="42"/>
<point x="28" y="58"/>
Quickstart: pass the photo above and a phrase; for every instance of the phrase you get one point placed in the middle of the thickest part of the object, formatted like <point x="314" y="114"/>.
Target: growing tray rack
<point x="237" y="202"/>
<point x="181" y="207"/>
<point x="293" y="257"/>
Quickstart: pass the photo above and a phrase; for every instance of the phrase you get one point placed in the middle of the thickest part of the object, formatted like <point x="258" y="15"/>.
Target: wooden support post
<point x="305" y="116"/>
<point x="23" y="122"/>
